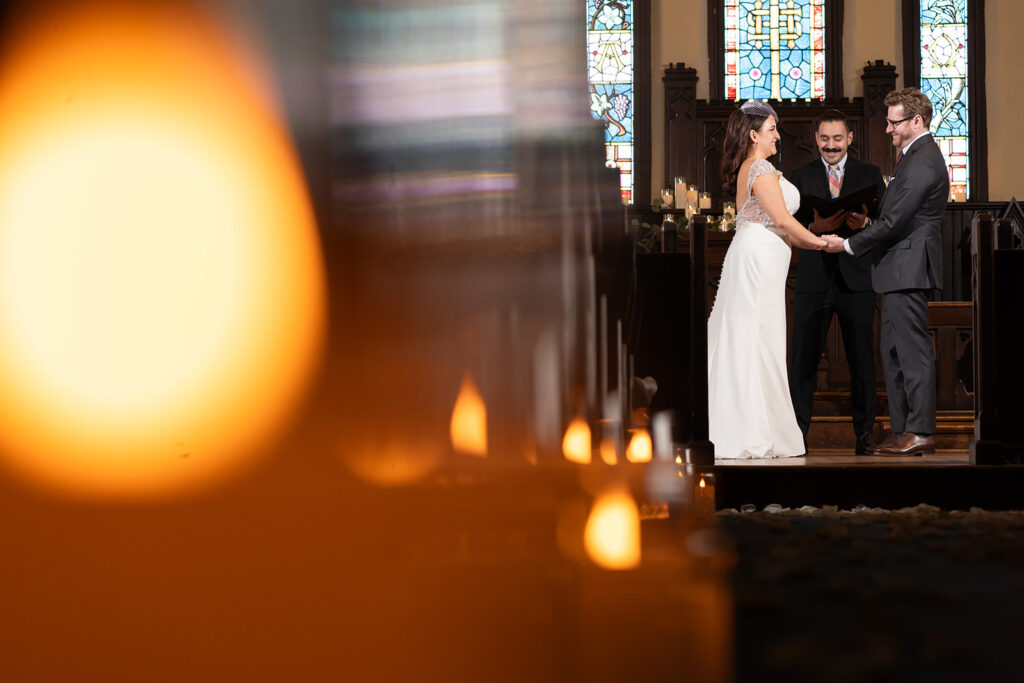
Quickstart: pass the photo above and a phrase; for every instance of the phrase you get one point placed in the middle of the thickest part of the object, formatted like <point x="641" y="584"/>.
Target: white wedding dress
<point x="750" y="412"/>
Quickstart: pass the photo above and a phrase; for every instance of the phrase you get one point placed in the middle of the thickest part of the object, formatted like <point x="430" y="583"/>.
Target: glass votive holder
<point x="728" y="214"/>
<point x="704" y="201"/>
<point x="667" y="199"/>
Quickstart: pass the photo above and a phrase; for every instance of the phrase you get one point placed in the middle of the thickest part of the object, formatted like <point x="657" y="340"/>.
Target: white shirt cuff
<point x="846" y="246"/>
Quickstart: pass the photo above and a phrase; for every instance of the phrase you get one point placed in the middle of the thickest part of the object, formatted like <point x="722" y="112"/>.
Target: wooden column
<point x="701" y="450"/>
<point x="985" y="448"/>
<point x="680" y="123"/>
<point x="876" y="147"/>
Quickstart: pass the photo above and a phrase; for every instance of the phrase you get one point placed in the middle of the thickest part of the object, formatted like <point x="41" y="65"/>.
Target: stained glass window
<point x="774" y="49"/>
<point x="944" y="81"/>
<point x="610" y="74"/>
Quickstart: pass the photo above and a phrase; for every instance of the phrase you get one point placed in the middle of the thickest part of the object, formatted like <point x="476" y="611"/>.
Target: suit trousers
<point x="909" y="361"/>
<point x="812" y="315"/>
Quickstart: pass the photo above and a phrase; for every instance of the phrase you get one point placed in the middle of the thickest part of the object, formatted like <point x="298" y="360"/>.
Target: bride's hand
<point x="833" y="244"/>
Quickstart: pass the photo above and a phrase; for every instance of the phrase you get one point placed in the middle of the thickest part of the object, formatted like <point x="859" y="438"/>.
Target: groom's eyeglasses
<point x="896" y="123"/>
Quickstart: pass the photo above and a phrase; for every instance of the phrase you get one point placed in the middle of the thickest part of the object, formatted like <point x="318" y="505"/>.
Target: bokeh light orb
<point x="162" y="294"/>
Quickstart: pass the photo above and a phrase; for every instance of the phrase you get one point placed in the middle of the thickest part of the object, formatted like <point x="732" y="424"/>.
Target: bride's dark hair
<point x="751" y="116"/>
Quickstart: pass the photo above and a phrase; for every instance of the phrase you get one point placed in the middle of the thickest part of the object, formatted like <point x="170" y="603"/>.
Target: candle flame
<point x="640" y="448"/>
<point x="702" y="484"/>
<point x="608" y="454"/>
<point x="612" y="534"/>
<point x="469" y="421"/>
<point x="576" y="443"/>
<point x="162" y="295"/>
<point x="679" y="460"/>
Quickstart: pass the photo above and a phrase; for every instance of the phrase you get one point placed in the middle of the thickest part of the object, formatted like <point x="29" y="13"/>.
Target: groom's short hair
<point x="831" y="115"/>
<point x="915" y="103"/>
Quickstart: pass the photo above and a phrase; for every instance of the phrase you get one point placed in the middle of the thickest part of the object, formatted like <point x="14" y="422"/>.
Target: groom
<point x="906" y="239"/>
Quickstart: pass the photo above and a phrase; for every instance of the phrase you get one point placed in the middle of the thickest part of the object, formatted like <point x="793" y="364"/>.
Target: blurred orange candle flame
<point x="612" y="534"/>
<point x="576" y="442"/>
<point x="608" y="454"/>
<point x="640" y="448"/>
<point x="161" y="281"/>
<point x="469" y="421"/>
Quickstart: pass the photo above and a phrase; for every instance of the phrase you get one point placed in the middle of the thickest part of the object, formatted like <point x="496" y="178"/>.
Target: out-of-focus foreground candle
<point x="612" y="533"/>
<point x="576" y="442"/>
<point x="161" y="286"/>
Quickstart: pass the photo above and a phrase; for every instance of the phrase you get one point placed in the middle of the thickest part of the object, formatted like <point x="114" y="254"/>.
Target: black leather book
<point x="853" y="201"/>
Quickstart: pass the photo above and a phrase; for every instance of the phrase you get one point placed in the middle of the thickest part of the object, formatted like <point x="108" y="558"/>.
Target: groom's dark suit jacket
<point x="907" y="237"/>
<point x="817" y="269"/>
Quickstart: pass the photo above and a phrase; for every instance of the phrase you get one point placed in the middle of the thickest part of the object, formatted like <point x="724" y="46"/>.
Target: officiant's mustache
<point x="830" y="149"/>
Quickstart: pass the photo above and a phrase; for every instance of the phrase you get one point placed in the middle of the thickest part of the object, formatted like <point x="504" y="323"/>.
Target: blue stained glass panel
<point x="619" y="118"/>
<point x="772" y="47"/>
<point x="610" y="73"/>
<point x="944" y="80"/>
<point x="949" y="103"/>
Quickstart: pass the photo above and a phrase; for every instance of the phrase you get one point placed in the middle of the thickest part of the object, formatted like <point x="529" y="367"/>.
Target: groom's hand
<point x="834" y="244"/>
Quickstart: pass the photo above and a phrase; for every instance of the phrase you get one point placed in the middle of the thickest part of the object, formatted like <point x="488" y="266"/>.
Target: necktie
<point x="834" y="183"/>
<point x="898" y="157"/>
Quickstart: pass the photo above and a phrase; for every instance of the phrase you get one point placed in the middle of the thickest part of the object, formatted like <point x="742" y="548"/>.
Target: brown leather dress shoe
<point x="908" y="443"/>
<point x="886" y="443"/>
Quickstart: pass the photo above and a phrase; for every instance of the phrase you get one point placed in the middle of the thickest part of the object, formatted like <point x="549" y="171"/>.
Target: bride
<point x="750" y="413"/>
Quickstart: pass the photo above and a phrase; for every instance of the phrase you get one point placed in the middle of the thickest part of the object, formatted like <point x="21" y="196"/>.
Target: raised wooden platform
<point x="946" y="480"/>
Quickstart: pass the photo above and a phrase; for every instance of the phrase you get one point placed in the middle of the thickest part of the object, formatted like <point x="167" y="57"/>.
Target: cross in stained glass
<point x="774" y="31"/>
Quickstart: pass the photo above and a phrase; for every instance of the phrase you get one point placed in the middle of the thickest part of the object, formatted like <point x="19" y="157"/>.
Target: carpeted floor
<point x="917" y="594"/>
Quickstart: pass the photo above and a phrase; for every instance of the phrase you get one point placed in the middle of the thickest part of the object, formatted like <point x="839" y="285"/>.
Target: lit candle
<point x="691" y="195"/>
<point x="729" y="212"/>
<point x="680" y="188"/>
<point x="667" y="198"/>
<point x="705" y="200"/>
<point x="704" y="497"/>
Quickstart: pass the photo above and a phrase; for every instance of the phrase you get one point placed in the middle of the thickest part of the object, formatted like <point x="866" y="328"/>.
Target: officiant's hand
<point x="834" y="244"/>
<point x="858" y="221"/>
<point x="827" y="225"/>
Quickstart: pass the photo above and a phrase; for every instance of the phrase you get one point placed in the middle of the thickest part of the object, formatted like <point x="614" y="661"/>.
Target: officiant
<point x="838" y="285"/>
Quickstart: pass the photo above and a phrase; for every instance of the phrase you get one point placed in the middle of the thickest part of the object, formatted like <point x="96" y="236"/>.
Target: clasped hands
<point x="834" y="243"/>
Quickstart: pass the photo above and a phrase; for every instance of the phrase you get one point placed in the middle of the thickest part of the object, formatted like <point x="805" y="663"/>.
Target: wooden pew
<point x="998" y="324"/>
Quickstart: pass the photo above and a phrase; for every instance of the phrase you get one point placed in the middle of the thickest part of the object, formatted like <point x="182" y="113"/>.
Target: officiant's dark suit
<point x="838" y="285"/>
<point x="907" y="245"/>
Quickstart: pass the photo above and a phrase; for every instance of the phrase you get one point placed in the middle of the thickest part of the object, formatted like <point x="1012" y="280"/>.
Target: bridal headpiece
<point x="759" y="108"/>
